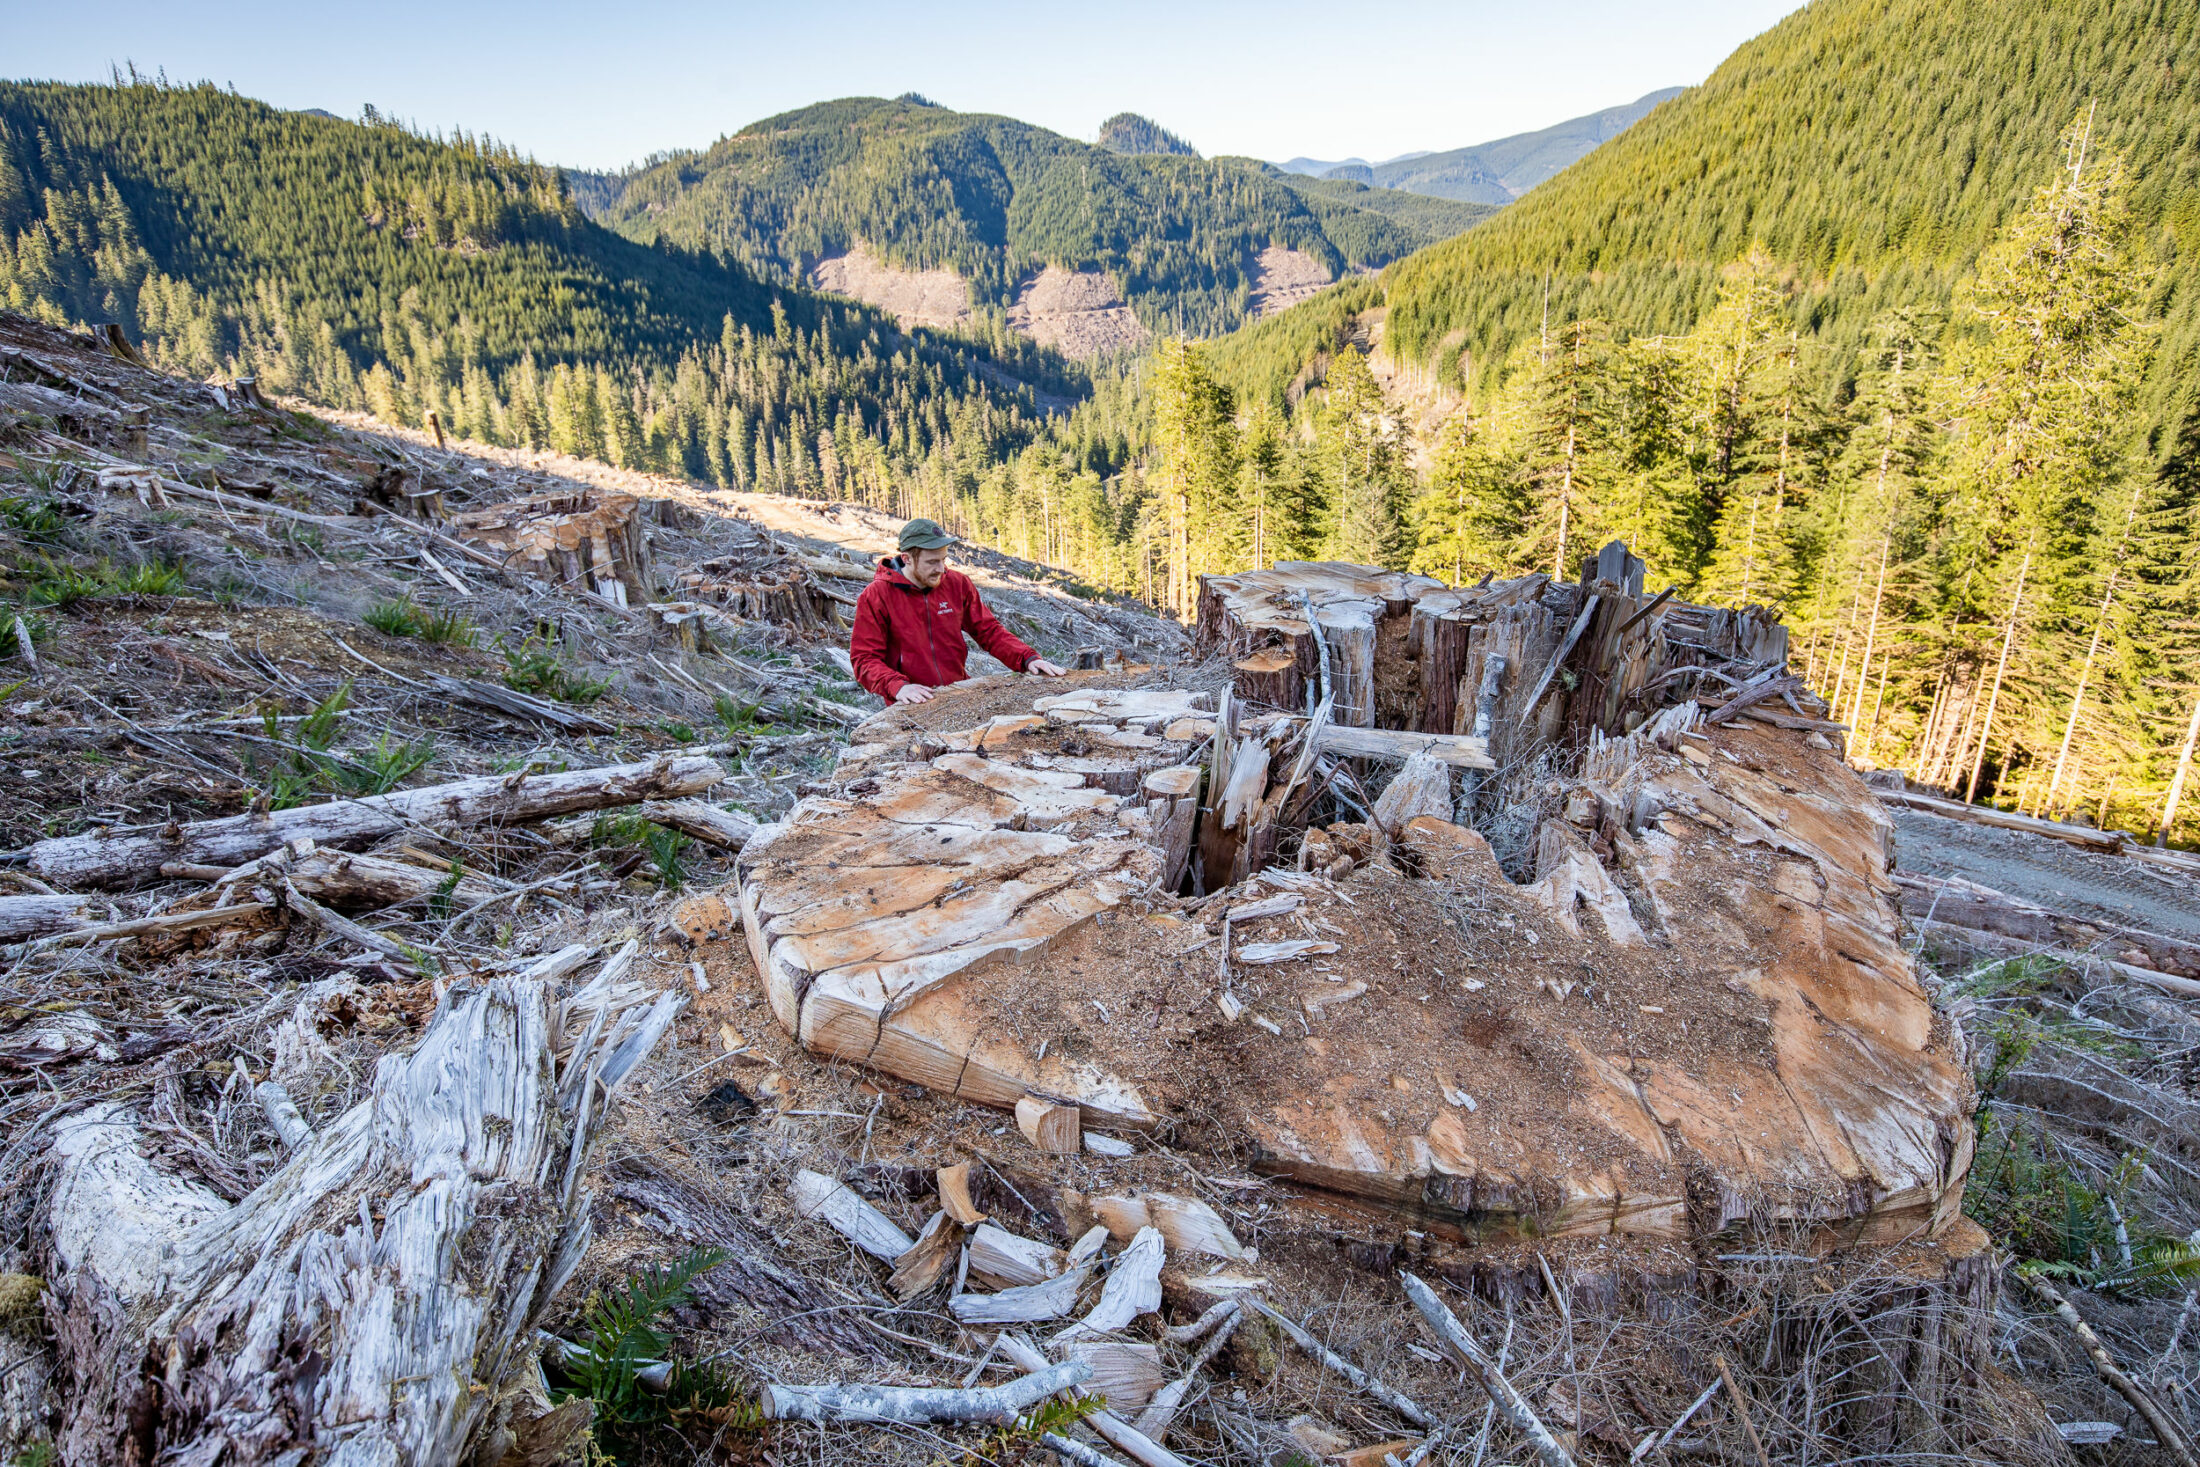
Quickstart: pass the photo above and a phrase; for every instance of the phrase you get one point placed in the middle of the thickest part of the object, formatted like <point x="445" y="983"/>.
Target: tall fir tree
<point x="1470" y="513"/>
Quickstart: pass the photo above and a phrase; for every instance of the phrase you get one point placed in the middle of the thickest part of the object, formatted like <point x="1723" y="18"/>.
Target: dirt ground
<point x="2049" y="873"/>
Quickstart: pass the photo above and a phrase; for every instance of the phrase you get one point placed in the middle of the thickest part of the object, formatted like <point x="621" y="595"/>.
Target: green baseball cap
<point x="924" y="535"/>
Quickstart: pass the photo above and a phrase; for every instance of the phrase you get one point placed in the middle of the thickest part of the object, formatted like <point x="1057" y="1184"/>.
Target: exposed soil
<point x="1077" y="312"/>
<point x="1284" y="277"/>
<point x="915" y="297"/>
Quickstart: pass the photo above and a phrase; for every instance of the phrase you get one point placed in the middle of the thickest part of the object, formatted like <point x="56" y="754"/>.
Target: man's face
<point x="925" y="567"/>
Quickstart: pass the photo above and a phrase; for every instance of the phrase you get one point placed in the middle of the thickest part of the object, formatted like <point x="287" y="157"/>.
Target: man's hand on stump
<point x="914" y="693"/>
<point x="1045" y="668"/>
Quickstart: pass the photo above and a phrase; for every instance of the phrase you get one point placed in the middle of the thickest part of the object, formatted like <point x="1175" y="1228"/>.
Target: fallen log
<point x="520" y="705"/>
<point x="1461" y="1346"/>
<point x="113" y="860"/>
<point x="1996" y="946"/>
<point x="2166" y="1431"/>
<point x="727" y="829"/>
<point x="414" y="1244"/>
<point x="920" y="1403"/>
<point x="1963" y="903"/>
<point x="166" y="923"/>
<point x="25" y="917"/>
<point x="347" y="880"/>
<point x="2107" y="842"/>
<point x="1357" y="1378"/>
<point x="1460" y="751"/>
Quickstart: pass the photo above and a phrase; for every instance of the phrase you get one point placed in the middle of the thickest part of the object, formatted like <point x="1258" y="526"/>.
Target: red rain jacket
<point x="906" y="634"/>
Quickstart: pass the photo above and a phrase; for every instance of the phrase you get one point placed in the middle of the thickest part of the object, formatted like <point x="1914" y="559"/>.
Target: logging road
<point x="2048" y="873"/>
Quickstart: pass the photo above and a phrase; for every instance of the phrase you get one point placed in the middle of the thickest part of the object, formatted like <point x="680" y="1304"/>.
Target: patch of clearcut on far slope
<point x="915" y="297"/>
<point x="1077" y="312"/>
<point x="1283" y="277"/>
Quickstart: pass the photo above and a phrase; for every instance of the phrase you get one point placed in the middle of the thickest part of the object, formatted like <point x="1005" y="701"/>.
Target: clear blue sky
<point x="601" y="85"/>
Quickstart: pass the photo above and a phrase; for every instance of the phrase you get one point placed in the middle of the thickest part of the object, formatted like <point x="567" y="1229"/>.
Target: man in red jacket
<point x="910" y="621"/>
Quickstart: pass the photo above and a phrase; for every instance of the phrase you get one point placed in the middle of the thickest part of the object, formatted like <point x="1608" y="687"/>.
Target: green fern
<point x="624" y="1338"/>
<point x="1015" y="1441"/>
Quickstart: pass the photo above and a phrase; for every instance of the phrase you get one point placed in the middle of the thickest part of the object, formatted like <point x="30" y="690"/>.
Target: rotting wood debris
<point x="1152" y="1035"/>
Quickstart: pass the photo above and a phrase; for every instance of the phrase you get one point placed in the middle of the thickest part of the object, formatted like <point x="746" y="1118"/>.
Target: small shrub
<point x="151" y="579"/>
<point x="740" y="720"/>
<point x="399" y="618"/>
<point x="405" y="617"/>
<point x="451" y="628"/>
<point x="306" y="766"/>
<point x="664" y="847"/>
<point x="31" y="519"/>
<point x="62" y="586"/>
<point x="533" y="667"/>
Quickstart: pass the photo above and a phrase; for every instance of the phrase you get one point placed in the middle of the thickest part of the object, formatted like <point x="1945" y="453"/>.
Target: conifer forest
<point x="1935" y="407"/>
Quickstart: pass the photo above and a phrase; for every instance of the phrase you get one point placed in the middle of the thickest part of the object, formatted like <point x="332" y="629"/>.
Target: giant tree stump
<point x="589" y="539"/>
<point x="1694" y="1014"/>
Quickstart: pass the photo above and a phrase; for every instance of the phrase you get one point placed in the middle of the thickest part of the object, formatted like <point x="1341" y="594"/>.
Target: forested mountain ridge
<point x="1892" y="325"/>
<point x="1500" y="171"/>
<point x="1873" y="165"/>
<point x="362" y="265"/>
<point x="1495" y="172"/>
<point x="1127" y="132"/>
<point x="993" y="200"/>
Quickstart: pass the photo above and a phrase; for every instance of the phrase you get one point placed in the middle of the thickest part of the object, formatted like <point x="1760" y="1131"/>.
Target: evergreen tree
<point x="1195" y="450"/>
<point x="1564" y="417"/>
<point x="1358" y="447"/>
<point x="2046" y="396"/>
<point x="1469" y="516"/>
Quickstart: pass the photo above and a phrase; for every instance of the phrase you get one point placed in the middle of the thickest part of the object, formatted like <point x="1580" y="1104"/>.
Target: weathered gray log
<point x="166" y="922"/>
<point x="1460" y="751"/>
<point x="728" y="829"/>
<point x="24" y="917"/>
<point x="1357" y="1378"/>
<point x="358" y="881"/>
<point x="1453" y="1336"/>
<point x="2165" y="1430"/>
<point x="1967" y="904"/>
<point x="921" y="1403"/>
<point x="500" y="699"/>
<point x="2108" y="842"/>
<point x="410" y="1249"/>
<point x="1994" y="945"/>
<point x="119" y="860"/>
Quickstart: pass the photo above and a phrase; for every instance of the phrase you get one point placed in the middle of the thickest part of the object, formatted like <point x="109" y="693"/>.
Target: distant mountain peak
<point x="1495" y="172"/>
<point x="1127" y="132"/>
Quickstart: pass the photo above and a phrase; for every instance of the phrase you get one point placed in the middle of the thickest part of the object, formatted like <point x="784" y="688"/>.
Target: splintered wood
<point x="1683" y="1005"/>
<point x="587" y="540"/>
